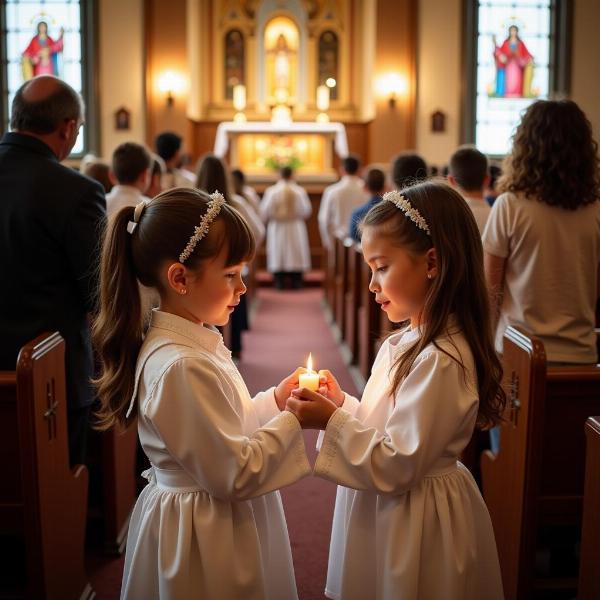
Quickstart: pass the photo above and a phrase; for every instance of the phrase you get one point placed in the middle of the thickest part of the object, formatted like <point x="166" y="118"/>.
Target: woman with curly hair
<point x="542" y="240"/>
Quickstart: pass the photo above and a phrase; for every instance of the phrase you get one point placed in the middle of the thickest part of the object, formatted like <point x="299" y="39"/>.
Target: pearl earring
<point x="183" y="291"/>
<point x="429" y="275"/>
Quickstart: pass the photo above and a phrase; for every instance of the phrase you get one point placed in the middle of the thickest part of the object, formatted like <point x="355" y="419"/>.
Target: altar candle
<point x="309" y="380"/>
<point x="322" y="97"/>
<point x="239" y="97"/>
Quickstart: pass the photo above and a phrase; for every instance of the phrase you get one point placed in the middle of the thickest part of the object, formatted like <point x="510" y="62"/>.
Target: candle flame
<point x="309" y="365"/>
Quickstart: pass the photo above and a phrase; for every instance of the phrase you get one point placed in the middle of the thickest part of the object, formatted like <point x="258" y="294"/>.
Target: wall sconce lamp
<point x="171" y="83"/>
<point x="392" y="86"/>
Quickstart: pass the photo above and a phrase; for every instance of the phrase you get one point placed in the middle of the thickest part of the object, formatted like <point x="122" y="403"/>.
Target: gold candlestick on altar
<point x="239" y="102"/>
<point x="322" y="103"/>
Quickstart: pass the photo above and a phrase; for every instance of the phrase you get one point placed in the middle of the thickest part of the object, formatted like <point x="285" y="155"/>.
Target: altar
<point x="261" y="148"/>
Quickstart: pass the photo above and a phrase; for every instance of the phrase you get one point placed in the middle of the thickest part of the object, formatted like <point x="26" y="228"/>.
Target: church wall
<point x="121" y="77"/>
<point x="167" y="51"/>
<point x="585" y="72"/>
<point x="392" y="129"/>
<point x="440" y="76"/>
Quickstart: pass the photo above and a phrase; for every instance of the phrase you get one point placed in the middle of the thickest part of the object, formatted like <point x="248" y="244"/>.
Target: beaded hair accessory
<point x="408" y="209"/>
<point x="214" y="208"/>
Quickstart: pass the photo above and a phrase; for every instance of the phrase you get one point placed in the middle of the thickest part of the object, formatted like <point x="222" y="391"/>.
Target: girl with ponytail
<point x="210" y="522"/>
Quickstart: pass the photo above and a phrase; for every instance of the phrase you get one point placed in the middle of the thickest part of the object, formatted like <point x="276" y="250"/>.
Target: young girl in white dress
<point x="409" y="521"/>
<point x="210" y="523"/>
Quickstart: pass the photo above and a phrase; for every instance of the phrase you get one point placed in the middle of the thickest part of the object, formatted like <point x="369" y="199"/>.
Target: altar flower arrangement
<point x="282" y="155"/>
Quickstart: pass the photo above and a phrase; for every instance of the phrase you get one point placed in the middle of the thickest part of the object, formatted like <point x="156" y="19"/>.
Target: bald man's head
<point x="42" y="104"/>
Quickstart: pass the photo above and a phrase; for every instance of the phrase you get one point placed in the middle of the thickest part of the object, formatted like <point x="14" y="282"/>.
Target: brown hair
<point x="469" y="167"/>
<point x="554" y="157"/>
<point x="459" y="287"/>
<point x="129" y="161"/>
<point x="212" y="174"/>
<point x="129" y="258"/>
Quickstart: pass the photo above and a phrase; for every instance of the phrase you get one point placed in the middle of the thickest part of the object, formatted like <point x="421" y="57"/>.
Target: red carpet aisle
<point x="286" y="327"/>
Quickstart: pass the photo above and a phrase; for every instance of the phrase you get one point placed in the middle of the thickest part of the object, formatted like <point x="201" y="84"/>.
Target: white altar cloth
<point x="228" y="127"/>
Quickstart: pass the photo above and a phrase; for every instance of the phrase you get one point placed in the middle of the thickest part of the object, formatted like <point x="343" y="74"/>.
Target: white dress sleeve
<point x="192" y="411"/>
<point x="266" y="406"/>
<point x="431" y="407"/>
<point x="497" y="233"/>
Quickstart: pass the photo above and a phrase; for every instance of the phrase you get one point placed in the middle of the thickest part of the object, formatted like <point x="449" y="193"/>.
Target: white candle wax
<point x="322" y="97"/>
<point x="239" y="97"/>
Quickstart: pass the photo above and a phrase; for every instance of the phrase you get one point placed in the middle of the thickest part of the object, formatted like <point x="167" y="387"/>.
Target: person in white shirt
<point x="469" y="174"/>
<point x="246" y="191"/>
<point x="339" y="201"/>
<point x="409" y="519"/>
<point x="286" y="207"/>
<point x="168" y="147"/>
<point x="542" y="240"/>
<point x="210" y="523"/>
<point x="130" y="172"/>
<point x="157" y="170"/>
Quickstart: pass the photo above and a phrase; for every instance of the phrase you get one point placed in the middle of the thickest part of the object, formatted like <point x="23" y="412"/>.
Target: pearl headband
<point x="408" y="209"/>
<point x="214" y="208"/>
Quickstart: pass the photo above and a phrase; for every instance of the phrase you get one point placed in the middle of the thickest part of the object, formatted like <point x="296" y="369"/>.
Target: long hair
<point x="459" y="287"/>
<point x="163" y="231"/>
<point x="554" y="157"/>
<point x="212" y="174"/>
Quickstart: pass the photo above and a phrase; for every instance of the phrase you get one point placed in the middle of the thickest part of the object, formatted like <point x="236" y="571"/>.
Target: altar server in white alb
<point x="210" y="523"/>
<point x="409" y="520"/>
<point x="286" y="206"/>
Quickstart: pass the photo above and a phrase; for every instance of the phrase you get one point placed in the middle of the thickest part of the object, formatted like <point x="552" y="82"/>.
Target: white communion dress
<point x="210" y="523"/>
<point x="409" y="522"/>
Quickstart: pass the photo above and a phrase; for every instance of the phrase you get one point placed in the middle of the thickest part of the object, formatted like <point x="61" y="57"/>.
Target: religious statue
<point x="514" y="66"/>
<point x="41" y="55"/>
<point x="282" y="63"/>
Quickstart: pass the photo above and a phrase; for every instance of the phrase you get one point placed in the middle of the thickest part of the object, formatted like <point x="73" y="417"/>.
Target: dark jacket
<point x="51" y="223"/>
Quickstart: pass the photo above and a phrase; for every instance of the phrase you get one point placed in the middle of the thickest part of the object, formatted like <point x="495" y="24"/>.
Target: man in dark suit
<point x="51" y="223"/>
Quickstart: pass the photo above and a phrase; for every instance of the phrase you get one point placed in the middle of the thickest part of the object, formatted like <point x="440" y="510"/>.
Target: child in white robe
<point x="210" y="522"/>
<point x="409" y="520"/>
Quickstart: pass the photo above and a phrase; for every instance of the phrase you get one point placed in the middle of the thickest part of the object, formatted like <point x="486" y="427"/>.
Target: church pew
<point x="330" y="277"/>
<point x="341" y="283"/>
<point x="42" y="501"/>
<point x="536" y="479"/>
<point x="589" y="571"/>
<point x="369" y="323"/>
<point x="353" y="300"/>
<point x="112" y="464"/>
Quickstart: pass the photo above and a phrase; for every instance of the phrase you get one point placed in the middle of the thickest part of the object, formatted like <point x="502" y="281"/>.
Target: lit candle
<point x="322" y="97"/>
<point x="239" y="97"/>
<point x="310" y="380"/>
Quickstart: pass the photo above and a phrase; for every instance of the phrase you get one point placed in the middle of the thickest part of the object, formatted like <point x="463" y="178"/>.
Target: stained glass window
<point x="43" y="37"/>
<point x="234" y="61"/>
<point x="328" y="61"/>
<point x="514" y="51"/>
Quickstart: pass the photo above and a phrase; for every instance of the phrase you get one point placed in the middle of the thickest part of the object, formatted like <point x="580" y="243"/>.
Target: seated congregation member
<point x="99" y="171"/>
<point x="212" y="175"/>
<point x="409" y="520"/>
<point x="542" y="240"/>
<point x="130" y="171"/>
<point x="51" y="224"/>
<point x="210" y="523"/>
<point x="245" y="191"/>
<point x="168" y="147"/>
<point x="468" y="173"/>
<point x="491" y="191"/>
<point x="374" y="187"/>
<point x="286" y="206"/>
<point x="408" y="168"/>
<point x="339" y="202"/>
